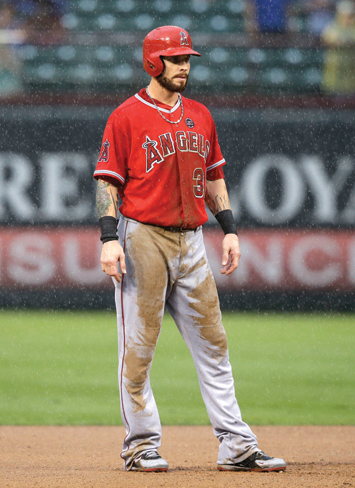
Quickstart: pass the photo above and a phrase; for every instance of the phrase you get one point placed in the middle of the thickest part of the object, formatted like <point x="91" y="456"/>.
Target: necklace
<point x="156" y="106"/>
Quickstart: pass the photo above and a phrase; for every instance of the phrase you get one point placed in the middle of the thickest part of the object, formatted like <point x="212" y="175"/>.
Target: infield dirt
<point x="50" y="456"/>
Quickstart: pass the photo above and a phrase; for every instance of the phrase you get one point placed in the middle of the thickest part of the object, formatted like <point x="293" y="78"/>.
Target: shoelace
<point x="261" y="455"/>
<point x="150" y="455"/>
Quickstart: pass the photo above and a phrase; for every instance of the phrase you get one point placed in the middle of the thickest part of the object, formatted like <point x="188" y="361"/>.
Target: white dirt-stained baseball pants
<point x="170" y="268"/>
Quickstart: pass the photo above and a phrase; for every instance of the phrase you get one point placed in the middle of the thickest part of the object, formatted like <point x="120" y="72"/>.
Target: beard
<point x="169" y="83"/>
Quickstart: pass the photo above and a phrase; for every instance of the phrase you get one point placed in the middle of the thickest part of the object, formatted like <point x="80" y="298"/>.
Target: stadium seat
<point x="221" y="68"/>
<point x="82" y="73"/>
<point x="307" y="80"/>
<point x="125" y="15"/>
<point x="84" y="6"/>
<point x="68" y="54"/>
<point x="28" y="52"/>
<point x="224" y="56"/>
<point x="43" y="77"/>
<point x="74" y="22"/>
<point x="238" y="77"/>
<point x="296" y="80"/>
<point x="275" y="80"/>
<point x="267" y="57"/>
<point x="313" y="57"/>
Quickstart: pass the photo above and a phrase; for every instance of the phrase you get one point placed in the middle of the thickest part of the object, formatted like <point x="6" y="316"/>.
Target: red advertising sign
<point x="58" y="258"/>
<point x="272" y="260"/>
<point x="289" y="260"/>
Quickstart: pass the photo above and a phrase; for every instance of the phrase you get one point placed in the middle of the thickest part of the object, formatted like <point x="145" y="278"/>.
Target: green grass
<point x="289" y="369"/>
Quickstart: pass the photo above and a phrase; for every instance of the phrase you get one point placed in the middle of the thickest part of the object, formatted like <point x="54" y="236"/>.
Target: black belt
<point x="178" y="229"/>
<point x="170" y="228"/>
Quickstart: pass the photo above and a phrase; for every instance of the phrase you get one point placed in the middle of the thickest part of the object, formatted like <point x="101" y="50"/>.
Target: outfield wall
<point x="291" y="177"/>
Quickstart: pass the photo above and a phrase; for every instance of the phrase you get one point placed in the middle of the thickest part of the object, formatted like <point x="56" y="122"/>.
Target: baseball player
<point x="160" y="157"/>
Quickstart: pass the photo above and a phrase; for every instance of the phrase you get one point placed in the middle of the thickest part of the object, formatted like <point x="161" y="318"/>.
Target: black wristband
<point x="226" y="221"/>
<point x="108" y="229"/>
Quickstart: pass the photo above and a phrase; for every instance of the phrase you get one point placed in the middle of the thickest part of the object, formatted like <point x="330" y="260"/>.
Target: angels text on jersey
<point x="155" y="151"/>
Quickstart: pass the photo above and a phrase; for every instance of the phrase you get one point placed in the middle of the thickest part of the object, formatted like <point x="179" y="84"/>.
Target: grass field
<point x="289" y="369"/>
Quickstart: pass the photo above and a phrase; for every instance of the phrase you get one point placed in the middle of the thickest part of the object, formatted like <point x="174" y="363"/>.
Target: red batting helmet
<point x="168" y="40"/>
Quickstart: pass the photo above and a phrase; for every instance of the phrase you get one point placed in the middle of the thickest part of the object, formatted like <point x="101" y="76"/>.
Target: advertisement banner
<point x="285" y="168"/>
<point x="272" y="260"/>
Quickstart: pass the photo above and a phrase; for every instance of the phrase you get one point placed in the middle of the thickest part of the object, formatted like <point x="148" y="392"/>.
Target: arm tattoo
<point x="221" y="203"/>
<point x="104" y="199"/>
<point x="114" y="201"/>
<point x="210" y="203"/>
<point x="217" y="204"/>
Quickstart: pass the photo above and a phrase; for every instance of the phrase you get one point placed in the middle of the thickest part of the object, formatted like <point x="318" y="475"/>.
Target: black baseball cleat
<point x="258" y="461"/>
<point x="150" y="461"/>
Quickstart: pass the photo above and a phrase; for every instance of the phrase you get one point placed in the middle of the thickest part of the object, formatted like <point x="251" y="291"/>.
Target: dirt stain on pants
<point x="168" y="268"/>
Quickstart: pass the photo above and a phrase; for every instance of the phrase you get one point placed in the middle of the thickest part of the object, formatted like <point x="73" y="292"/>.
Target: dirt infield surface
<point x="89" y="457"/>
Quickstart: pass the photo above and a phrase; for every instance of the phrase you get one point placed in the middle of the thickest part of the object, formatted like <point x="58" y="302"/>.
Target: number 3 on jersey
<point x="199" y="187"/>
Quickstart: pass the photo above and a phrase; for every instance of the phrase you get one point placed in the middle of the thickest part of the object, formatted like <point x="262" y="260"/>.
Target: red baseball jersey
<point x="161" y="168"/>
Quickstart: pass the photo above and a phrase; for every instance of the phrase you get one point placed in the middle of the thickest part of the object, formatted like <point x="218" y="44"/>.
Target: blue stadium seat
<point x="222" y="68"/>
<point x="42" y="76"/>
<point x="124" y="15"/>
<point x="225" y="55"/>
<point x="274" y="79"/>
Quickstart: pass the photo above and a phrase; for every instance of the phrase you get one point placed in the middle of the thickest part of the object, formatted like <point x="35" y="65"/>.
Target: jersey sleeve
<point x="215" y="160"/>
<point x="112" y="162"/>
<point x="215" y="173"/>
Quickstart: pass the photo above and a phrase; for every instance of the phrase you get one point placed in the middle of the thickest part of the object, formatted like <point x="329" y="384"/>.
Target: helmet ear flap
<point x="154" y="65"/>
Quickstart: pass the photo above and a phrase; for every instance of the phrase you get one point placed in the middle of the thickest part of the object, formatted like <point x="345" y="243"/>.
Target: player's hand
<point x="231" y="253"/>
<point x="112" y="254"/>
